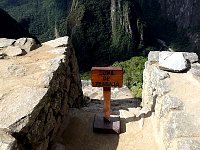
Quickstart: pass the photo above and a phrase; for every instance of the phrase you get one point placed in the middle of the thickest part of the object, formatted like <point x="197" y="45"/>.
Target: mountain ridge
<point x="112" y="30"/>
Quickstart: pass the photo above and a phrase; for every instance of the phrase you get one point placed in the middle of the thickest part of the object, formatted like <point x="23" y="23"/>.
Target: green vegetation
<point x="180" y="42"/>
<point x="165" y="29"/>
<point x="133" y="74"/>
<point x="89" y="26"/>
<point x="44" y="19"/>
<point x="85" y="75"/>
<point x="122" y="38"/>
<point x="101" y="36"/>
<point x="10" y="28"/>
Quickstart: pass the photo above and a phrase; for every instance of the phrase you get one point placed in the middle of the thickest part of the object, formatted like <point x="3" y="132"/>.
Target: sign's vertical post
<point x="107" y="96"/>
<point x="107" y="77"/>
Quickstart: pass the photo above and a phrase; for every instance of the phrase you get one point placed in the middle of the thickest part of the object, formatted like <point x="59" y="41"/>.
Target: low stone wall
<point x="36" y="91"/>
<point x="173" y="99"/>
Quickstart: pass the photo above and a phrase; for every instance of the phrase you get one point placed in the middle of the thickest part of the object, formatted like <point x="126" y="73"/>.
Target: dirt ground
<point x="136" y="133"/>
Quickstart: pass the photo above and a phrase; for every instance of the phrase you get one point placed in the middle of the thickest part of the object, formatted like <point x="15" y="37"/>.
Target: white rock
<point x="13" y="51"/>
<point x="172" y="61"/>
<point x="6" y="140"/>
<point x="153" y="56"/>
<point x="59" y="42"/>
<point x="23" y="100"/>
<point x="192" y="57"/>
<point x="27" y="44"/>
<point x="6" y="42"/>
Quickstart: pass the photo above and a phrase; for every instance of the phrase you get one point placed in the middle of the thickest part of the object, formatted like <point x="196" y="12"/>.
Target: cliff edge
<point x="36" y="91"/>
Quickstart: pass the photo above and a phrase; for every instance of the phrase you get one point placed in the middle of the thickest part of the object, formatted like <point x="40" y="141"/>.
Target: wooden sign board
<point x="107" y="77"/>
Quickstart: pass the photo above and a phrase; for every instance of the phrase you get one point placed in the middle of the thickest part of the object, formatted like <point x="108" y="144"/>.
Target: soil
<point x="136" y="132"/>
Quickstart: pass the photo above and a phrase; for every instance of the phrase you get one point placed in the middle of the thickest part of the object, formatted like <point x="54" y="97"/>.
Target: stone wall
<point x="36" y="91"/>
<point x="173" y="100"/>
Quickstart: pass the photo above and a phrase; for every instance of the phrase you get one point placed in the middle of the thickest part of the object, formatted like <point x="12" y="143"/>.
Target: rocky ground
<point x="136" y="132"/>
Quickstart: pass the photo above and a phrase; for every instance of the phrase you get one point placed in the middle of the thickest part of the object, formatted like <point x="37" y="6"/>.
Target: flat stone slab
<point x="59" y="42"/>
<point x="172" y="61"/>
<point x="112" y="127"/>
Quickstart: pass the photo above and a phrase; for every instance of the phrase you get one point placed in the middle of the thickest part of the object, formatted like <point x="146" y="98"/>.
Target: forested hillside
<point x="111" y="30"/>
<point x="108" y="31"/>
<point x="10" y="28"/>
<point x="45" y="19"/>
<point x="175" y="22"/>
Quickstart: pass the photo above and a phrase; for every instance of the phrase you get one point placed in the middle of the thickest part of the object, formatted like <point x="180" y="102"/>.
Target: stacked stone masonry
<point x="174" y="101"/>
<point x="36" y="91"/>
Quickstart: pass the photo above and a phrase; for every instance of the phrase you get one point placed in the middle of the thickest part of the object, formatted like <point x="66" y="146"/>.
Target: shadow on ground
<point x="79" y="135"/>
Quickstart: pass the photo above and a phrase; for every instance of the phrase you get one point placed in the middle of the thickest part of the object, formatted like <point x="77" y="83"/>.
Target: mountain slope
<point x="106" y="31"/>
<point x="10" y="28"/>
<point x="45" y="19"/>
<point x="175" y="22"/>
<point x="111" y="30"/>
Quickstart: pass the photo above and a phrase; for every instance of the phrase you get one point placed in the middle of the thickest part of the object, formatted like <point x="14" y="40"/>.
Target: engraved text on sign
<point x="107" y="77"/>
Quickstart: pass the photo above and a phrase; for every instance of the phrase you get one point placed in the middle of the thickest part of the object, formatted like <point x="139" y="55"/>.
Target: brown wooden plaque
<point x="107" y="77"/>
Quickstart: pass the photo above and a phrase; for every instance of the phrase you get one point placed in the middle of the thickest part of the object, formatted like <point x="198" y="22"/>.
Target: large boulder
<point x="27" y="44"/>
<point x="172" y="61"/>
<point x="13" y="51"/>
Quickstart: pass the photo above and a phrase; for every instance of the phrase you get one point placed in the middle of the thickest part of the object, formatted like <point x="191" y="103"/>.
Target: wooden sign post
<point x="106" y="77"/>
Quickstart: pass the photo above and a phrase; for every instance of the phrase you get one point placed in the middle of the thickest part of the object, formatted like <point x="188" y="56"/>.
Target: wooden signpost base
<point x="102" y="126"/>
<point x="106" y="77"/>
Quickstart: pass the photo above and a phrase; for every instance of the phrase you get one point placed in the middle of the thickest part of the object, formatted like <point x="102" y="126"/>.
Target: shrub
<point x="85" y="75"/>
<point x="133" y="74"/>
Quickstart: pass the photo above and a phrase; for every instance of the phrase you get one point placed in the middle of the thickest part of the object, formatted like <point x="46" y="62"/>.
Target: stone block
<point x="6" y="42"/>
<point x="13" y="51"/>
<point x="188" y="144"/>
<point x="180" y="124"/>
<point x="153" y="56"/>
<point x="171" y="104"/>
<point x="27" y="44"/>
<point x="59" y="42"/>
<point x="192" y="57"/>
<point x="7" y="142"/>
<point x="172" y="61"/>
